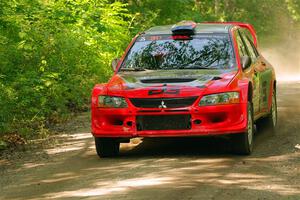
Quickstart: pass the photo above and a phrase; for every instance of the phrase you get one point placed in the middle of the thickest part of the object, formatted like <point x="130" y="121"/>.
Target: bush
<point x="51" y="54"/>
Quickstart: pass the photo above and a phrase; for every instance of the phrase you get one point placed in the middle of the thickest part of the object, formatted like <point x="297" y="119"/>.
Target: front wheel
<point x="107" y="147"/>
<point x="242" y="143"/>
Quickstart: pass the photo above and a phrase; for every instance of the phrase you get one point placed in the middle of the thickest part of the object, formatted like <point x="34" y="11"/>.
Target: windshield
<point x="205" y="51"/>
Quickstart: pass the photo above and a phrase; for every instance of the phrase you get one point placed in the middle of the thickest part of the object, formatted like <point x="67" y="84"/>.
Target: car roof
<point x="200" y="28"/>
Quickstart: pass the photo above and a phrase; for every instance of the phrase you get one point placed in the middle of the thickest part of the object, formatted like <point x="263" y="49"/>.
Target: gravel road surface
<point x="201" y="168"/>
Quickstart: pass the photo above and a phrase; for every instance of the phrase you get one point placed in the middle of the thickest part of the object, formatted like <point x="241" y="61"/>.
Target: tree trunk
<point x="198" y="4"/>
<point x="217" y="6"/>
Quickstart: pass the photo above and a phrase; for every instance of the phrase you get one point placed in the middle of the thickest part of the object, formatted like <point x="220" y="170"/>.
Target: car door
<point x="250" y="72"/>
<point x="261" y="72"/>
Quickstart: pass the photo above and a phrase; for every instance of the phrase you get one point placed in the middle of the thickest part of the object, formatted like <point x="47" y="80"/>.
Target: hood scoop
<point x="167" y="80"/>
<point x="215" y="78"/>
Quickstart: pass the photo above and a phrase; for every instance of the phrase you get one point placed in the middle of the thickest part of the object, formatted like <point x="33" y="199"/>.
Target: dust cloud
<point x="285" y="57"/>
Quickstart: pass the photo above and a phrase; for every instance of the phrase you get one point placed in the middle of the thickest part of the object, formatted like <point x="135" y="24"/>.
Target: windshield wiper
<point x="132" y="69"/>
<point x="199" y="67"/>
<point x="206" y="66"/>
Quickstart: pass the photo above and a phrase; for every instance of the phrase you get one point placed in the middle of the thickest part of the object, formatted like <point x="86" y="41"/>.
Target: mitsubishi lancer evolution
<point x="186" y="80"/>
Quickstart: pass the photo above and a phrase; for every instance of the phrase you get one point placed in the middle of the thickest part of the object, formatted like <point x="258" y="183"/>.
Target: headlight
<point x="221" y="98"/>
<point x="111" y="102"/>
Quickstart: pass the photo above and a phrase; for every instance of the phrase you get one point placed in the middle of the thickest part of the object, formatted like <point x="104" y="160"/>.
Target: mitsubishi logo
<point x="162" y="105"/>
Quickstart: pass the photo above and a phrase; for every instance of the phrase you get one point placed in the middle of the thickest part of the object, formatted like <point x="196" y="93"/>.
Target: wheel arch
<point x="250" y="92"/>
<point x="246" y="88"/>
<point x="272" y="90"/>
<point x="275" y="85"/>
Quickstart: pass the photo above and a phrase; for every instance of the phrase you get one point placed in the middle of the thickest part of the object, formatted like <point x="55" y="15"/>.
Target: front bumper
<point x="214" y="120"/>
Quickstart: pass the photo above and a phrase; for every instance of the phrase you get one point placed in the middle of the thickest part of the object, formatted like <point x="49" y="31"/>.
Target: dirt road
<point x="200" y="168"/>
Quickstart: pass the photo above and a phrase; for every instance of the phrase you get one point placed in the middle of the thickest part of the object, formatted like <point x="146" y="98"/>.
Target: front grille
<point x="163" y="102"/>
<point x="163" y="122"/>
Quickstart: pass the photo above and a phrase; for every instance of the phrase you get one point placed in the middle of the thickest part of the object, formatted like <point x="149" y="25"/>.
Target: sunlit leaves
<point x="293" y="7"/>
<point x="52" y="53"/>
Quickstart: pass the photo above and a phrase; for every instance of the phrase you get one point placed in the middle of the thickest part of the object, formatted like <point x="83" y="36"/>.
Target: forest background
<point x="52" y="52"/>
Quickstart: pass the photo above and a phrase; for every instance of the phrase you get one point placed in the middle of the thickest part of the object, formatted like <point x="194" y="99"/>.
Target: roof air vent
<point x="184" y="28"/>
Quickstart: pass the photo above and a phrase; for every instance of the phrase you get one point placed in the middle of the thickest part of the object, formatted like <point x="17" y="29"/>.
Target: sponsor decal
<point x="164" y="91"/>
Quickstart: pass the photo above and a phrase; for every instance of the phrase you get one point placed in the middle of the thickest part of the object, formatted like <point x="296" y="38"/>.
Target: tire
<point x="270" y="121"/>
<point x="107" y="147"/>
<point x="242" y="143"/>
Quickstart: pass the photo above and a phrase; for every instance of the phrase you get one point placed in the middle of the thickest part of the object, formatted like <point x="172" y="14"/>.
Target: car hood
<point x="167" y="83"/>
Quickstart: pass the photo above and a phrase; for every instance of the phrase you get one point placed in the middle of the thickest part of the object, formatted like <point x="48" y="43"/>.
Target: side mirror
<point x="114" y="63"/>
<point x="246" y="62"/>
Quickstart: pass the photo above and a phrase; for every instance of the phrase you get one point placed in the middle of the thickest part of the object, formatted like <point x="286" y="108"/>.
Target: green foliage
<point x="3" y="145"/>
<point x="271" y="18"/>
<point x="52" y="52"/>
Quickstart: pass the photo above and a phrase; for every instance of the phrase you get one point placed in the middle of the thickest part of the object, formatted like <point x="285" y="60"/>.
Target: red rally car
<point x="189" y="79"/>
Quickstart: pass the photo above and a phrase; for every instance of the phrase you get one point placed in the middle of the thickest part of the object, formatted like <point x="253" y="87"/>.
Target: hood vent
<point x="215" y="78"/>
<point x="168" y="80"/>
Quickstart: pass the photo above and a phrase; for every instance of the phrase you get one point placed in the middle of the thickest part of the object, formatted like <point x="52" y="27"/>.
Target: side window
<point x="251" y="49"/>
<point x="253" y="46"/>
<point x="241" y="46"/>
<point x="250" y="38"/>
